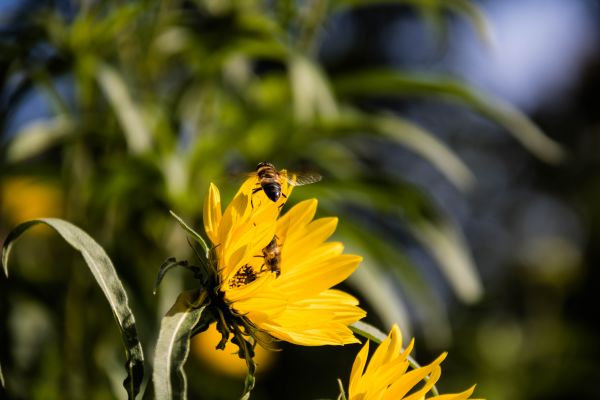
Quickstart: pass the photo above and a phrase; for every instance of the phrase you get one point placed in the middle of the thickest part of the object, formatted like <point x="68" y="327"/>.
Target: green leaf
<point x="170" y="263"/>
<point x="193" y="233"/>
<point x="173" y="345"/>
<point x="38" y="136"/>
<point x="132" y="121"/>
<point x="428" y="146"/>
<point x="384" y="270"/>
<point x="447" y="245"/>
<point x="475" y="15"/>
<point x="104" y="272"/>
<point x="407" y="134"/>
<point x="465" y="7"/>
<point x="387" y="82"/>
<point x="246" y="352"/>
<point x="311" y="91"/>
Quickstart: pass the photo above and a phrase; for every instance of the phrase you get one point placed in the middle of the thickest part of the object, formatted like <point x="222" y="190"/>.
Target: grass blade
<point x="38" y="136"/>
<point x="173" y="345"/>
<point x="387" y="82"/>
<point x="137" y="135"/>
<point x="428" y="146"/>
<point x="312" y="93"/>
<point x="104" y="272"/>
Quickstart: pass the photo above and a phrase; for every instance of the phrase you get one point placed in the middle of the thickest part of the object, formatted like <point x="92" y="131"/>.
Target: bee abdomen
<point x="272" y="190"/>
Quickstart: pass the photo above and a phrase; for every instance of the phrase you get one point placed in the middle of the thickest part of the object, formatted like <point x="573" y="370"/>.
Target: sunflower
<point x="386" y="376"/>
<point x="291" y="300"/>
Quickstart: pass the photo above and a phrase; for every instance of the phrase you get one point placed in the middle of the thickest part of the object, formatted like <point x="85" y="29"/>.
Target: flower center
<point x="243" y="276"/>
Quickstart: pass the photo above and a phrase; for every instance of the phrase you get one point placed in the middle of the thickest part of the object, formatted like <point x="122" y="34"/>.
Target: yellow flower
<point x="386" y="376"/>
<point x="293" y="302"/>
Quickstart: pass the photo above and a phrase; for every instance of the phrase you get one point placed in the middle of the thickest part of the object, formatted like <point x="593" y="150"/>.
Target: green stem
<point x="243" y="347"/>
<point x="342" y="395"/>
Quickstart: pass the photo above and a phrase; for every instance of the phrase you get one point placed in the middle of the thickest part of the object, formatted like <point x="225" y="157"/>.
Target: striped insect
<point x="270" y="179"/>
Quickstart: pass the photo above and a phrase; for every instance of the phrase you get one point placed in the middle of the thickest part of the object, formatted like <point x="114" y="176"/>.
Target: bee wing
<point x="299" y="179"/>
<point x="242" y="176"/>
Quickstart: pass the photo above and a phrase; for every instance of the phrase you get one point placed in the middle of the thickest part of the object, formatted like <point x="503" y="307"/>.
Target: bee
<point x="269" y="180"/>
<point x="272" y="255"/>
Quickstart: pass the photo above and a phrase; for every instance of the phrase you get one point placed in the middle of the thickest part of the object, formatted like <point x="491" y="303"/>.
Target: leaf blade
<point x="192" y="233"/>
<point x="428" y="146"/>
<point x="387" y="82"/>
<point x="105" y="274"/>
<point x="173" y="345"/>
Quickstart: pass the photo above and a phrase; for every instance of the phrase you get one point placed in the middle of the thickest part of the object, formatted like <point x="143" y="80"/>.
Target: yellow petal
<point x="313" y="279"/>
<point x="379" y="354"/>
<point x="395" y="345"/>
<point x="433" y="378"/>
<point x="212" y="213"/>
<point x="313" y="234"/>
<point x="296" y="218"/>
<point x="263" y="305"/>
<point x="327" y="333"/>
<point x="357" y="370"/>
<point x="403" y="385"/>
<point x="291" y="258"/>
<point x="455" y="396"/>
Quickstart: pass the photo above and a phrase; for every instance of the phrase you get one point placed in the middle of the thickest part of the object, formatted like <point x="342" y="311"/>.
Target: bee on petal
<point x="272" y="255"/>
<point x="269" y="180"/>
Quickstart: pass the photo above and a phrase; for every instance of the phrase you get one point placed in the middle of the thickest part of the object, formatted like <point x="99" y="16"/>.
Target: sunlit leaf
<point x="373" y="281"/>
<point x="397" y="280"/>
<point x="312" y="95"/>
<point x="428" y="146"/>
<point x="173" y="345"/>
<point x="133" y="123"/>
<point x="386" y="82"/>
<point x="104" y="272"/>
<point x="407" y="134"/>
<point x="447" y="246"/>
<point x="38" y="136"/>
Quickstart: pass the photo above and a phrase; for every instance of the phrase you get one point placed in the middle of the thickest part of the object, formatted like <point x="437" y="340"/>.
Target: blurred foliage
<point x="132" y="108"/>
